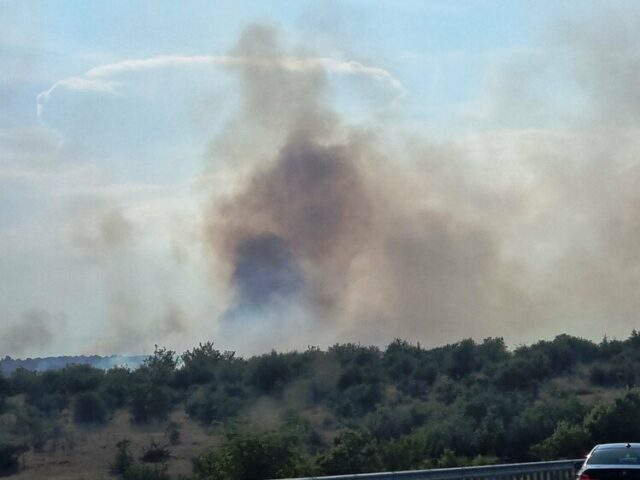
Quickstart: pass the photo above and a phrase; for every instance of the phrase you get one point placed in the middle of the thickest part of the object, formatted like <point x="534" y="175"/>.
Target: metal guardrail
<point x="556" y="470"/>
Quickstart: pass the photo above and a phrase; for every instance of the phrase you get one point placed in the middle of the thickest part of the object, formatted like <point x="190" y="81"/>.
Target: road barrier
<point x="556" y="470"/>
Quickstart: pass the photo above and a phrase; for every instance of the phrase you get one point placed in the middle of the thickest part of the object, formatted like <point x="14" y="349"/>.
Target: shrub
<point x="117" y="386"/>
<point x="567" y="441"/>
<point x="10" y="456"/>
<point x="620" y="372"/>
<point x="48" y="403"/>
<point x="146" y="472"/>
<point x="617" y="421"/>
<point x="385" y="423"/>
<point x="463" y="360"/>
<point x="173" y="433"/>
<point x="89" y="408"/>
<point x="270" y="373"/>
<point x="352" y="452"/>
<point x="159" y="368"/>
<point x="248" y="456"/>
<point x="210" y="404"/>
<point x="200" y="364"/>
<point x="80" y="378"/>
<point x="125" y="466"/>
<point x="155" y="453"/>
<point x="359" y="399"/>
<point x="124" y="459"/>
<point x="150" y="402"/>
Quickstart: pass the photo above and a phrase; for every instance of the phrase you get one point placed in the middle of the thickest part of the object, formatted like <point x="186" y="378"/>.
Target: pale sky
<point x="119" y="133"/>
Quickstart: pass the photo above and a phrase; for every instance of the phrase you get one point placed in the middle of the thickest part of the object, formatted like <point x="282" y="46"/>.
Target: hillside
<point x="352" y="408"/>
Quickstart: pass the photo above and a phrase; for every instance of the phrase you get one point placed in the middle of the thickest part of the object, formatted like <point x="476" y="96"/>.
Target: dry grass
<point x="94" y="448"/>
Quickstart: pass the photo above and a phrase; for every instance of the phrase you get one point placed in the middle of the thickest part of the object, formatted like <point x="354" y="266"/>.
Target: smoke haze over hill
<point x="330" y="206"/>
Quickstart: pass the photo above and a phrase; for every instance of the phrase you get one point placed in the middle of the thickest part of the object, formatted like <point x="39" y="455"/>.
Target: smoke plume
<point x="522" y="220"/>
<point x="33" y="332"/>
<point x="325" y="226"/>
<point x="513" y="232"/>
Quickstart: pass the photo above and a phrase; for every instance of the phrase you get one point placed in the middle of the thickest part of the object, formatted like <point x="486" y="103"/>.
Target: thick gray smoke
<point x="34" y="332"/>
<point x="523" y="223"/>
<point x="328" y="224"/>
<point x="264" y="271"/>
<point x="296" y="228"/>
<point x="514" y="232"/>
<point x="105" y="236"/>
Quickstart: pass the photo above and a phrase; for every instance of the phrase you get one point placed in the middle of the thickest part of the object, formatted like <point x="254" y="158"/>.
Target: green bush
<point x="386" y="423"/>
<point x="146" y="472"/>
<point x="116" y="387"/>
<point x="567" y="441"/>
<point x="248" y="456"/>
<point x="126" y="467"/>
<point x="270" y="373"/>
<point x="80" y="378"/>
<point x="352" y="452"/>
<point x="22" y="381"/>
<point x="358" y="400"/>
<point x="123" y="460"/>
<point x="617" y="421"/>
<point x="159" y="368"/>
<point x="150" y="402"/>
<point x="10" y="456"/>
<point x="172" y="433"/>
<point x="200" y="364"/>
<point x="51" y="404"/>
<point x="210" y="404"/>
<point x="88" y="407"/>
<point x="620" y="372"/>
<point x="155" y="453"/>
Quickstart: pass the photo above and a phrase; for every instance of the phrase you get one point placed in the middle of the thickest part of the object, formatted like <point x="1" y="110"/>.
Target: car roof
<point x="604" y="446"/>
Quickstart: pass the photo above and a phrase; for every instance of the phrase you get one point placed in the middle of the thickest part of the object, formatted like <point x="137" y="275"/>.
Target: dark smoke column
<point x="293" y="230"/>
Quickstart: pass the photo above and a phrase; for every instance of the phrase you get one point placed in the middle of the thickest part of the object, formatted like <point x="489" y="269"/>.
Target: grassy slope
<point x="95" y="448"/>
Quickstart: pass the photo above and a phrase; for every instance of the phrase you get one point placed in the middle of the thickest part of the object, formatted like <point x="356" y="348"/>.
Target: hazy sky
<point x="483" y="153"/>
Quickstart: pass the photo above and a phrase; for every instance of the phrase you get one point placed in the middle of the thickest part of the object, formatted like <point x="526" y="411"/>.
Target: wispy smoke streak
<point x="101" y="78"/>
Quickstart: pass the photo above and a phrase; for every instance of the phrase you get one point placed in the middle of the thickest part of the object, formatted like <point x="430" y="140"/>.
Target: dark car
<point x="612" y="461"/>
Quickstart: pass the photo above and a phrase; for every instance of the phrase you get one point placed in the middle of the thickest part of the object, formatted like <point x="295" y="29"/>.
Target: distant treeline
<point x="353" y="408"/>
<point x="41" y="364"/>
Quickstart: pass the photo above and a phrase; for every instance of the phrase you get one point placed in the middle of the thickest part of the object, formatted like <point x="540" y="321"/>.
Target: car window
<point x="615" y="456"/>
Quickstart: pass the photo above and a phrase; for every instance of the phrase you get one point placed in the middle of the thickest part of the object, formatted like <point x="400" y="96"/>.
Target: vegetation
<point x="349" y="409"/>
<point x="10" y="457"/>
<point x="125" y="466"/>
<point x="89" y="408"/>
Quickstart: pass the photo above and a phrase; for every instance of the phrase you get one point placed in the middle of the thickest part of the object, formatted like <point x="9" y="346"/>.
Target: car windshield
<point x="615" y="456"/>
